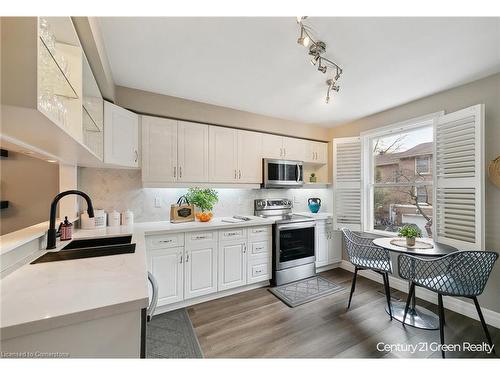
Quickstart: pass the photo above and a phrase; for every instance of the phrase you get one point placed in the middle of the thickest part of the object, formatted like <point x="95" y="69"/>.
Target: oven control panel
<point x="273" y="204"/>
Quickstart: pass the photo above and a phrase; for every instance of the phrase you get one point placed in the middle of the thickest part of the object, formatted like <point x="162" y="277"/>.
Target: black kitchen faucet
<point x="52" y="233"/>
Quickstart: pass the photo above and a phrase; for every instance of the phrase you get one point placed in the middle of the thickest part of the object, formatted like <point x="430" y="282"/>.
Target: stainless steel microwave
<point x="282" y="173"/>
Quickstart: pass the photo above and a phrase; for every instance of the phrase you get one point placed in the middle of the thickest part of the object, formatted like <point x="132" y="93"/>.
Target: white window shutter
<point x="347" y="183"/>
<point x="459" y="178"/>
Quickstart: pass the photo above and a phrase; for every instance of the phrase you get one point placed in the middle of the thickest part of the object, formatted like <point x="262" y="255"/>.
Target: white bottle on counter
<point x="127" y="217"/>
<point x="113" y="219"/>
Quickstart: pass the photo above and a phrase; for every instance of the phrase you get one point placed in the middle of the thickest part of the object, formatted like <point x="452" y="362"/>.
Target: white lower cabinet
<point x="200" y="276"/>
<point x="168" y="269"/>
<point x="194" y="264"/>
<point x="334" y="246"/>
<point x="232" y="264"/>
<point x="200" y="265"/>
<point x="328" y="244"/>
<point x="321" y="244"/>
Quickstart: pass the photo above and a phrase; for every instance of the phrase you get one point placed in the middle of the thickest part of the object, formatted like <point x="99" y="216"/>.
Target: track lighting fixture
<point x="321" y="68"/>
<point x="331" y="83"/>
<point x="316" y="50"/>
<point x="304" y="38"/>
<point x="315" y="59"/>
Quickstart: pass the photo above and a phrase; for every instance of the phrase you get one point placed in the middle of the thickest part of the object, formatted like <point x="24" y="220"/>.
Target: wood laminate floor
<point x="255" y="324"/>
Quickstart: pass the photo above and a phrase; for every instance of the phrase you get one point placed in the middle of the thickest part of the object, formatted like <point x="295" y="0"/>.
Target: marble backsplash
<point x="121" y="189"/>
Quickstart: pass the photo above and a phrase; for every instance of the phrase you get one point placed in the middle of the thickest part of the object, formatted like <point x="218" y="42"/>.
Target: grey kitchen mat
<point x="171" y="335"/>
<point x="303" y="291"/>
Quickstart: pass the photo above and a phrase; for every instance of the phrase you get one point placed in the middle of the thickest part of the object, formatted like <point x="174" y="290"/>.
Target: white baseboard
<point x="451" y="303"/>
<point x="328" y="267"/>
<point x="208" y="297"/>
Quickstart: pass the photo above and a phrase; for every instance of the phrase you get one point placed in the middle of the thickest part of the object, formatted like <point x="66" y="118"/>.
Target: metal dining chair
<point x="366" y="256"/>
<point x="459" y="274"/>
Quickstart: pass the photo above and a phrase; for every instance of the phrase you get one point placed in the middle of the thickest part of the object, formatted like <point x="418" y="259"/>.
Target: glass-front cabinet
<point x="60" y="74"/>
<point x="92" y="112"/>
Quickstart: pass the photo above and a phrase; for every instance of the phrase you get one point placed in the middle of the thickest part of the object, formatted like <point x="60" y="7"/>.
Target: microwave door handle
<point x="298" y="173"/>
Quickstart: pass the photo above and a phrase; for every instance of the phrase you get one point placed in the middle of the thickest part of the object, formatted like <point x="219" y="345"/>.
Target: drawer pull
<point x="259" y="230"/>
<point x="200" y="237"/>
<point x="231" y="234"/>
<point x="259" y="248"/>
<point x="165" y="241"/>
<point x="258" y="271"/>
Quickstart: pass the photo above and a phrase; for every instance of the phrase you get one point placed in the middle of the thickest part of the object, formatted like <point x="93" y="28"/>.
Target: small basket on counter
<point x="182" y="211"/>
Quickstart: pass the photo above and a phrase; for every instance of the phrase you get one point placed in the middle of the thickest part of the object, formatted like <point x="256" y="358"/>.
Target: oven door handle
<point x="296" y="226"/>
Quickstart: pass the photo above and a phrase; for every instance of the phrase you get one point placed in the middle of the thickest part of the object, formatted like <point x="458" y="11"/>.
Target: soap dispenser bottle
<point x="66" y="229"/>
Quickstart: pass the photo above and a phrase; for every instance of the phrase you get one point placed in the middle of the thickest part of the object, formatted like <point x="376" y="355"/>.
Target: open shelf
<point x="316" y="185"/>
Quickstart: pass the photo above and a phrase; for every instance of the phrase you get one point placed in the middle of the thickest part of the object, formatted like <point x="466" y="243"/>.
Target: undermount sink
<point x="90" y="248"/>
<point x="101" y="241"/>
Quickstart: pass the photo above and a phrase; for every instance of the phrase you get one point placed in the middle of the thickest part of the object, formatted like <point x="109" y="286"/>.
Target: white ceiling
<point x="256" y="65"/>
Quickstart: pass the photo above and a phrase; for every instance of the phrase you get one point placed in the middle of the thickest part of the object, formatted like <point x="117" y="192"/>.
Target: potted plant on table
<point x="410" y="232"/>
<point x="205" y="200"/>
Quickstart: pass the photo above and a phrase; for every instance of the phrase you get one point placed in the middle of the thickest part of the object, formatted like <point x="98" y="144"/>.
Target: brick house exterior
<point x="395" y="206"/>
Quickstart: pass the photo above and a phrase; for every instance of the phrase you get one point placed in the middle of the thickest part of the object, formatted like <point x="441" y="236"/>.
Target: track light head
<point x="322" y="68"/>
<point x="315" y="59"/>
<point x="304" y="41"/>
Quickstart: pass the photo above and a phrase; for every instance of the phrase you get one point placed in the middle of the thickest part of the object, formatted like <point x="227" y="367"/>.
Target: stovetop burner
<point x="279" y="209"/>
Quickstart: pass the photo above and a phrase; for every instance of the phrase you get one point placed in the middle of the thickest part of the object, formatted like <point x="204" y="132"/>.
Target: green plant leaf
<point x="204" y="199"/>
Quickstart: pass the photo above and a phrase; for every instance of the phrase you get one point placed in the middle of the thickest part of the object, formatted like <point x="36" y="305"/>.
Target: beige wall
<point x="169" y="106"/>
<point x="486" y="91"/>
<point x="29" y="185"/>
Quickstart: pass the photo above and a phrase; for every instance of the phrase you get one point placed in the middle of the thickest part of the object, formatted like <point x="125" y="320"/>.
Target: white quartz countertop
<point x="317" y="216"/>
<point x="48" y="295"/>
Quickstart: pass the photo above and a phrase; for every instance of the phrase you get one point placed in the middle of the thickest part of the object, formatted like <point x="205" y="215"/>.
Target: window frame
<point x="368" y="166"/>
<point x="423" y="157"/>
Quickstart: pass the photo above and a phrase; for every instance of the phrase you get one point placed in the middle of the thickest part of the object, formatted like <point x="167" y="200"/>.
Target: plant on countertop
<point x="410" y="231"/>
<point x="204" y="199"/>
<point x="313" y="177"/>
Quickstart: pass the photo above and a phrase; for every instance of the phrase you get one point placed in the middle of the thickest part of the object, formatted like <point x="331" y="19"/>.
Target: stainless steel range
<point x="293" y="240"/>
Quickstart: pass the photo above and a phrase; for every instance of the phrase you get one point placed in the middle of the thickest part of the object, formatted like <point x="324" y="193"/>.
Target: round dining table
<point x="417" y="316"/>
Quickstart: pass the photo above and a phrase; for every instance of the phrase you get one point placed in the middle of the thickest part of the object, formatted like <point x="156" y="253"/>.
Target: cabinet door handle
<point x="175" y="172"/>
<point x="136" y="156"/>
<point x="239" y="174"/>
<point x="281" y="151"/>
<point x="235" y="174"/>
<point x="180" y="172"/>
<point x="284" y="152"/>
<point x="181" y="259"/>
<point x="244" y="248"/>
<point x="187" y="257"/>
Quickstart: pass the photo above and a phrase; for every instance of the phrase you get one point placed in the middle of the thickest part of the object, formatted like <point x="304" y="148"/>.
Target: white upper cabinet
<point x="223" y="154"/>
<point x="272" y="146"/>
<point x="316" y="152"/>
<point x="277" y="147"/>
<point x="121" y="136"/>
<point x="294" y="148"/>
<point x="159" y="149"/>
<point x="192" y="152"/>
<point x="41" y="91"/>
<point x="249" y="157"/>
